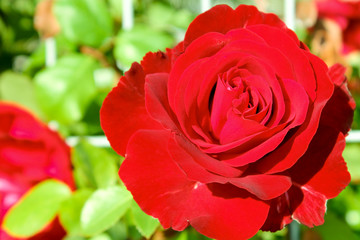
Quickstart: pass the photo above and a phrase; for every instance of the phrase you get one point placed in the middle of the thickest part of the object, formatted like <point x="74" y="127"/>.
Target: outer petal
<point x="123" y="111"/>
<point x="157" y="62"/>
<point x="223" y="18"/>
<point x="312" y="209"/>
<point x="281" y="209"/>
<point x="319" y="175"/>
<point x="339" y="111"/>
<point x="328" y="173"/>
<point x="162" y="190"/>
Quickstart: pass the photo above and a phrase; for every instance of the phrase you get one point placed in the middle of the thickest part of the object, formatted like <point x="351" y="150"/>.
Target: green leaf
<point x="94" y="167"/>
<point x="86" y="22"/>
<point x="70" y="211"/>
<point x="102" y="236"/>
<point x="118" y="231"/>
<point x="65" y="90"/>
<point x="160" y="15"/>
<point x="334" y="229"/>
<point x="131" y="46"/>
<point x="18" y="88"/>
<point x="104" y="208"/>
<point x="36" y="208"/>
<point x="182" y="18"/>
<point x="116" y="9"/>
<point x="351" y="155"/>
<point x="144" y="223"/>
<point x="74" y="238"/>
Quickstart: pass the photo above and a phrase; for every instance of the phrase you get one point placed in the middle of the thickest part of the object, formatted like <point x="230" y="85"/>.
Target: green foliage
<point x="67" y="87"/>
<point x="351" y="155"/>
<point x="104" y="208"/>
<point x="36" y="209"/>
<point x="144" y="223"/>
<point x="334" y="228"/>
<point x="10" y="83"/>
<point x="70" y="212"/>
<point x="94" y="167"/>
<point x="85" y="22"/>
<point x="132" y="45"/>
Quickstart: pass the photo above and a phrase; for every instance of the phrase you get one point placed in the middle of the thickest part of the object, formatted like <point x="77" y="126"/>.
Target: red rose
<point x="29" y="153"/>
<point x="347" y="15"/>
<point x="236" y="129"/>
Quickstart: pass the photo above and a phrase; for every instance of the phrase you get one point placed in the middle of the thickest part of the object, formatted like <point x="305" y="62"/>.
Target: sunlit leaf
<point x="144" y="223"/>
<point x="132" y="45"/>
<point x="94" y="167"/>
<point x="86" y="22"/>
<point x="351" y="155"/>
<point x="36" y="208"/>
<point x="334" y="229"/>
<point x="65" y="90"/>
<point x="102" y="236"/>
<point x="118" y="231"/>
<point x="104" y="208"/>
<point x="18" y="88"/>
<point x="70" y="211"/>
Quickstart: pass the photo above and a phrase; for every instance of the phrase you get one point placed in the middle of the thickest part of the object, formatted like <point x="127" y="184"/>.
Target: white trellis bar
<point x="290" y="13"/>
<point x="353" y="137"/>
<point x="50" y="52"/>
<point x="97" y="141"/>
<point x="205" y="5"/>
<point x="127" y="14"/>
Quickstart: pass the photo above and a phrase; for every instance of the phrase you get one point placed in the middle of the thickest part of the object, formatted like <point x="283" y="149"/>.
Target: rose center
<point x="246" y="98"/>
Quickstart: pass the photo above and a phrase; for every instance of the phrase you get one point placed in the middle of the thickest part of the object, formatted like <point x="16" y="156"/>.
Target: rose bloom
<point x="29" y="153"/>
<point x="236" y="129"/>
<point x="347" y="15"/>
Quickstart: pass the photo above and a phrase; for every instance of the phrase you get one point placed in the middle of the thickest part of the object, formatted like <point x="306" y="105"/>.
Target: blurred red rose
<point x="347" y="15"/>
<point x="29" y="153"/>
<point x="236" y="129"/>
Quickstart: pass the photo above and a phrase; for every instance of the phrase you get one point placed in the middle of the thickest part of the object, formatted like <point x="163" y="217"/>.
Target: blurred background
<point x="60" y="58"/>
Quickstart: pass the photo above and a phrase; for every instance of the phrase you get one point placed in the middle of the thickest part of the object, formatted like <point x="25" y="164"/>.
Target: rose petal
<point x="123" y="111"/>
<point x="200" y="167"/>
<point x="328" y="174"/>
<point x="157" y="62"/>
<point x="189" y="157"/>
<point x="281" y="209"/>
<point x="163" y="191"/>
<point x="223" y="18"/>
<point x="263" y="186"/>
<point x="284" y="43"/>
<point x="237" y="127"/>
<point x="296" y="143"/>
<point x="226" y="213"/>
<point x="157" y="103"/>
<point x="254" y="147"/>
<point x="339" y="111"/>
<point x="208" y="45"/>
<point x="19" y="124"/>
<point x="312" y="209"/>
<point x="319" y="175"/>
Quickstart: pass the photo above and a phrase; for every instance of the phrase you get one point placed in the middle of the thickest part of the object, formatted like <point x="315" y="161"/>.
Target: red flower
<point x="29" y="153"/>
<point x="347" y="15"/>
<point x="238" y="128"/>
